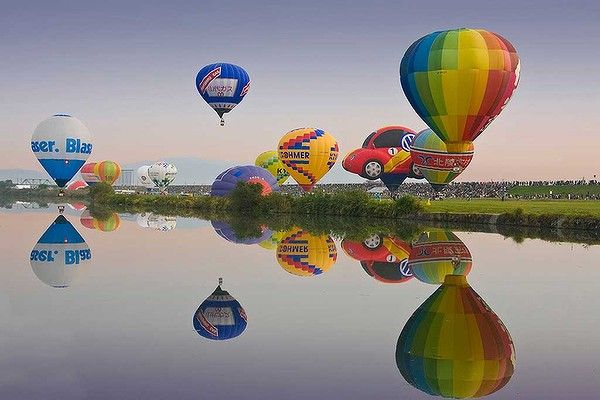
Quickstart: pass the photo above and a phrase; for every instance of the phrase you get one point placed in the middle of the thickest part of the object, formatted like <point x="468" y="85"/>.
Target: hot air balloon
<point x="438" y="253"/>
<point x="220" y="316"/>
<point x="454" y="345"/>
<point x="223" y="86"/>
<point x="61" y="144"/>
<point x="436" y="162"/>
<point x="88" y="175"/>
<point x="162" y="174"/>
<point x="385" y="154"/>
<point x="76" y="185"/>
<point x="107" y="171"/>
<point x="59" y="254"/>
<point x="308" y="154"/>
<point x="270" y="161"/>
<point x="304" y="254"/>
<point x="458" y="81"/>
<point x="228" y="180"/>
<point x="384" y="258"/>
<point x="226" y="231"/>
<point x="143" y="179"/>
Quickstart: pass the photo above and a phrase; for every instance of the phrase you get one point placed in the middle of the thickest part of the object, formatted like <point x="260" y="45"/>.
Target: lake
<point x="128" y="308"/>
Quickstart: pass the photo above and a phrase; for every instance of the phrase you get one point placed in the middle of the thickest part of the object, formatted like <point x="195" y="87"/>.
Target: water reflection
<point x="220" y="316"/>
<point x="108" y="223"/>
<point x="385" y="258"/>
<point x="454" y="345"/>
<point x="157" y="222"/>
<point x="227" y="232"/>
<point x="59" y="254"/>
<point x="438" y="253"/>
<point x="304" y="254"/>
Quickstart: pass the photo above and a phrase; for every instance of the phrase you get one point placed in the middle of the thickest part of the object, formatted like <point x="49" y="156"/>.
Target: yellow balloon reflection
<point x="304" y="254"/>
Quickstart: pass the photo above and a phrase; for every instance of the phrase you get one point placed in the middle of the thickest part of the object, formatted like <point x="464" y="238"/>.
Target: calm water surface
<point x="122" y="320"/>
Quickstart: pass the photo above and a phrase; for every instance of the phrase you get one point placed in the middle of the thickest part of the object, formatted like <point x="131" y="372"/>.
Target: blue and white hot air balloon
<point x="223" y="86"/>
<point x="59" y="254"/>
<point x="220" y="316"/>
<point x="61" y="144"/>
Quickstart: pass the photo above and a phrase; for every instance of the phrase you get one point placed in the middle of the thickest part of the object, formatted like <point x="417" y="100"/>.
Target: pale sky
<point x="128" y="72"/>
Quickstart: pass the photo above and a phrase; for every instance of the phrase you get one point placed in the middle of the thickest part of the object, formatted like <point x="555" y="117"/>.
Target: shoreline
<point x="245" y="202"/>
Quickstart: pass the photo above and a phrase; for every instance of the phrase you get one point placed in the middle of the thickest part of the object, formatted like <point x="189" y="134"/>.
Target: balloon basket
<point x="222" y="122"/>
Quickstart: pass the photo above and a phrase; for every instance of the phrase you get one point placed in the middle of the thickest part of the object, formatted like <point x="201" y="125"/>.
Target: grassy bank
<point x="563" y="208"/>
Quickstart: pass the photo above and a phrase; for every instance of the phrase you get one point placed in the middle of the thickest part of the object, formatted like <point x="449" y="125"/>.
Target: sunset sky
<point x="127" y="71"/>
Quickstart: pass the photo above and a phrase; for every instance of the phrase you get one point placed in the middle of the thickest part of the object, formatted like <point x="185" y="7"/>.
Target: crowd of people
<point x="463" y="190"/>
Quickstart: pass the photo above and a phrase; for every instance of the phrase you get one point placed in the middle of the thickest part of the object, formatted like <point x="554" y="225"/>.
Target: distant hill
<point x="22" y="174"/>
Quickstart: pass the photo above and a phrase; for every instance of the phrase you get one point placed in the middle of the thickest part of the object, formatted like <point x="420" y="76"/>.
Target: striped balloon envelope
<point x="459" y="80"/>
<point x="76" y="185"/>
<point x="220" y="316"/>
<point x="454" y="345"/>
<point x="223" y="86"/>
<point x="88" y="175"/>
<point x="59" y="254"/>
<point x="270" y="161"/>
<point x="438" y="253"/>
<point x="61" y="144"/>
<point x="304" y="254"/>
<point x="227" y="180"/>
<point x="433" y="159"/>
<point x="308" y="154"/>
<point x="107" y="171"/>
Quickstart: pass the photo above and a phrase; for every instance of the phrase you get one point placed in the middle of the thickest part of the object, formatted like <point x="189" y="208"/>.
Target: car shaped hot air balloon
<point x="384" y="258"/>
<point x="385" y="151"/>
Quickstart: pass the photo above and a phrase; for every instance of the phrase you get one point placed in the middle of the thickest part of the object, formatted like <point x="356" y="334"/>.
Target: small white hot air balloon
<point x="162" y="174"/>
<point x="143" y="179"/>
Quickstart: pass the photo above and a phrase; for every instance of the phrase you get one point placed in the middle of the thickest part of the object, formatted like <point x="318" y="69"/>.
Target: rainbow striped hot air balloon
<point x="454" y="345"/>
<point x="308" y="154"/>
<point x="107" y="171"/>
<point x="220" y="316"/>
<point x="304" y="254"/>
<point x="270" y="161"/>
<point x="458" y="81"/>
<point x="438" y="253"/>
<point x="435" y="162"/>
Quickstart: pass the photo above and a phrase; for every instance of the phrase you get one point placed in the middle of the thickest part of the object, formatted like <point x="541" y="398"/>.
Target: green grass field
<point x="495" y="206"/>
<point x="556" y="189"/>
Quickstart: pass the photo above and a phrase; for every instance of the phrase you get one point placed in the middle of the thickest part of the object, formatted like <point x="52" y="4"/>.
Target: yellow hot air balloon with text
<point x="308" y="154"/>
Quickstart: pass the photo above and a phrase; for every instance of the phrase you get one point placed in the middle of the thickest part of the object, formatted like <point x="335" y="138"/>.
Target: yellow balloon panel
<point x="303" y="254"/>
<point x="308" y="154"/>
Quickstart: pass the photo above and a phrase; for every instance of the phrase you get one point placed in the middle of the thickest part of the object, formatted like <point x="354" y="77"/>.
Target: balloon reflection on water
<point x="304" y="254"/>
<point x="59" y="254"/>
<point x="438" y="253"/>
<point x="454" y="345"/>
<point x="385" y="258"/>
<point x="220" y="316"/>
